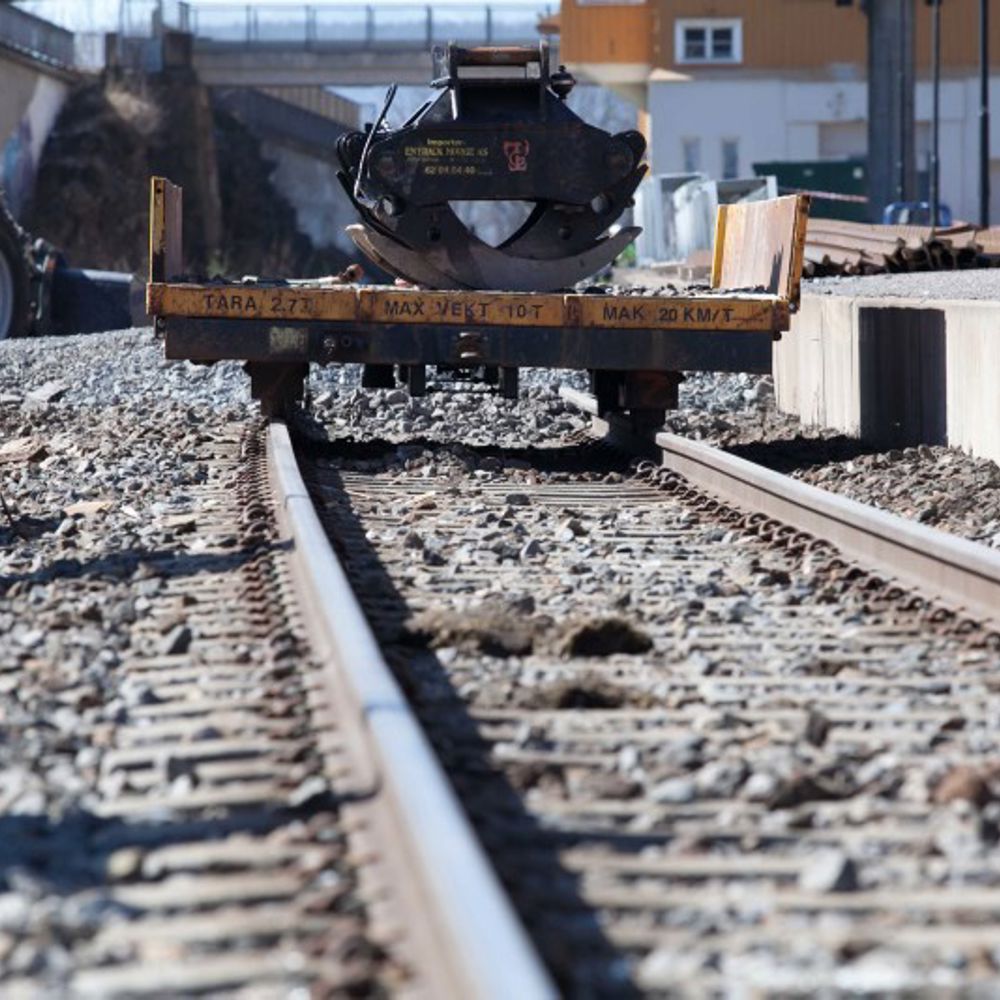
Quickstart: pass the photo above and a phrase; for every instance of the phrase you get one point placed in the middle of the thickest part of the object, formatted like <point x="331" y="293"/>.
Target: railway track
<point x="702" y="752"/>
<point x="264" y="816"/>
<point x="702" y="749"/>
<point x="945" y="569"/>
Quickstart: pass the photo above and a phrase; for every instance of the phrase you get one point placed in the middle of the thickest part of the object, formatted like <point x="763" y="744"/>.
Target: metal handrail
<point x="128" y="18"/>
<point x="322" y="25"/>
<point x="36" y="37"/>
<point x="253" y="25"/>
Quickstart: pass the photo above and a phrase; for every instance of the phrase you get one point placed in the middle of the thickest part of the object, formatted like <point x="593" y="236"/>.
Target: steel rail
<point x="962" y="575"/>
<point x="481" y="948"/>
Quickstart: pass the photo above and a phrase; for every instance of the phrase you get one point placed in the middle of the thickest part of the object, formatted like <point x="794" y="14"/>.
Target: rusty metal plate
<point x="165" y="229"/>
<point x="384" y="305"/>
<point x="761" y="244"/>
<point x="679" y="313"/>
<point x="253" y="302"/>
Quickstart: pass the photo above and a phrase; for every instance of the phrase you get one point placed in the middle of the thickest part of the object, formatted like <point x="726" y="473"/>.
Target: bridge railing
<point x="370" y="26"/>
<point x="130" y="18"/>
<point x="35" y="37"/>
<point x="319" y="25"/>
<point x="268" y="115"/>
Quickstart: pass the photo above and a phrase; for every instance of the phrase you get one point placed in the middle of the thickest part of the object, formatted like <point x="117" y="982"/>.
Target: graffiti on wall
<point x="21" y="149"/>
<point x="18" y="167"/>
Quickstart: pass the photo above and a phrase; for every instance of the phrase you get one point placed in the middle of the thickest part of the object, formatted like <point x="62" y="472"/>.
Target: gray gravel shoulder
<point x="941" y="487"/>
<point x="973" y="284"/>
<point x="938" y="486"/>
<point x="93" y="431"/>
<point x="99" y="445"/>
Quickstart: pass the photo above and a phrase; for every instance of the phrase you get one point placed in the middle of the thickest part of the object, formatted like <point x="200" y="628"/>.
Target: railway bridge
<point x="339" y="45"/>
<point x="271" y="65"/>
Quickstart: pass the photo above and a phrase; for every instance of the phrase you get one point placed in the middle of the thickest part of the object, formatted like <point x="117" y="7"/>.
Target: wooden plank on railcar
<point x="165" y="230"/>
<point x="719" y="245"/>
<point x="762" y="246"/>
<point x="706" y="312"/>
<point x="379" y="306"/>
<point x="391" y="305"/>
<point x="798" y="250"/>
<point x="265" y="302"/>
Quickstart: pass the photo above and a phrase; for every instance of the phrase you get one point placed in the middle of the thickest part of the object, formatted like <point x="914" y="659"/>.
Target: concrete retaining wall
<point x="895" y="372"/>
<point x="310" y="184"/>
<point x="30" y="102"/>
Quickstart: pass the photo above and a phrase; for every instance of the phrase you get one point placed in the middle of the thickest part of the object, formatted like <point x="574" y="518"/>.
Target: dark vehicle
<point x="40" y="295"/>
<point x="914" y="213"/>
<point x="14" y="276"/>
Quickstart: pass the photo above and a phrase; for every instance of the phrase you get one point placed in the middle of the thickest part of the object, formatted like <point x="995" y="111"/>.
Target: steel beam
<point x="470" y="346"/>
<point x="891" y="150"/>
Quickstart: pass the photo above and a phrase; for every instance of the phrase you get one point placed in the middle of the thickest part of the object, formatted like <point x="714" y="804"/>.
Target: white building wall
<point x="781" y="119"/>
<point x="968" y="152"/>
<point x="801" y="138"/>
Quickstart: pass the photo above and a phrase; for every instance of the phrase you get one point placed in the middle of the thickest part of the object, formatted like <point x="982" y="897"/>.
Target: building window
<point x="730" y="158"/>
<point x="692" y="155"/>
<point x="712" y="40"/>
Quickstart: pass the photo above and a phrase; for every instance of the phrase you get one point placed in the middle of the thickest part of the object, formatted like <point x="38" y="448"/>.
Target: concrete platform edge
<point x="895" y="372"/>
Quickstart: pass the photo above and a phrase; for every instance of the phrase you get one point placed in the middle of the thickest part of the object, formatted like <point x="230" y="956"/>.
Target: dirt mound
<point x="92" y="190"/>
<point x="604" y="637"/>
<point x="91" y="195"/>
<point x="489" y="630"/>
<point x="496" y="630"/>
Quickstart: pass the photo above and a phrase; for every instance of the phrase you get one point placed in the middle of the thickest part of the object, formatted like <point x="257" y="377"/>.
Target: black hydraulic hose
<point x="390" y="94"/>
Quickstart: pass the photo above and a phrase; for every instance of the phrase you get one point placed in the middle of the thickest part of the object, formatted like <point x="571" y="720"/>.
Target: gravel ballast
<point x="975" y="284"/>
<point x="153" y="832"/>
<point x="100" y="447"/>
<point x="642" y="671"/>
<point x="941" y="487"/>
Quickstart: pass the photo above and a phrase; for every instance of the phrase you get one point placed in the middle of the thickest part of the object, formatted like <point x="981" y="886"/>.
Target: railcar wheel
<point x="377" y="377"/>
<point x="278" y="387"/>
<point x="14" y="288"/>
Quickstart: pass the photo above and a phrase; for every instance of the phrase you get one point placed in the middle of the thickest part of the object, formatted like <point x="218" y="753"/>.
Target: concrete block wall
<point x="973" y="338"/>
<point x="895" y="372"/>
<point x="30" y="102"/>
<point x="815" y="364"/>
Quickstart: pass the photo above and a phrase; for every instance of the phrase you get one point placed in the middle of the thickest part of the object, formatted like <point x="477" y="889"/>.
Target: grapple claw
<point x="499" y="131"/>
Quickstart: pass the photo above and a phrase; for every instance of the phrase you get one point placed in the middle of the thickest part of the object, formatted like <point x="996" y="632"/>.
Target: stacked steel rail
<point x="834" y="247"/>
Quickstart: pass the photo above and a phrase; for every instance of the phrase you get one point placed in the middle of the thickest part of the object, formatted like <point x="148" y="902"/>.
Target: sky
<point x="103" y="15"/>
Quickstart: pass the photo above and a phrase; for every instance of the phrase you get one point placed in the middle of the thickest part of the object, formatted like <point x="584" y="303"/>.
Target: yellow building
<point x="723" y="84"/>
